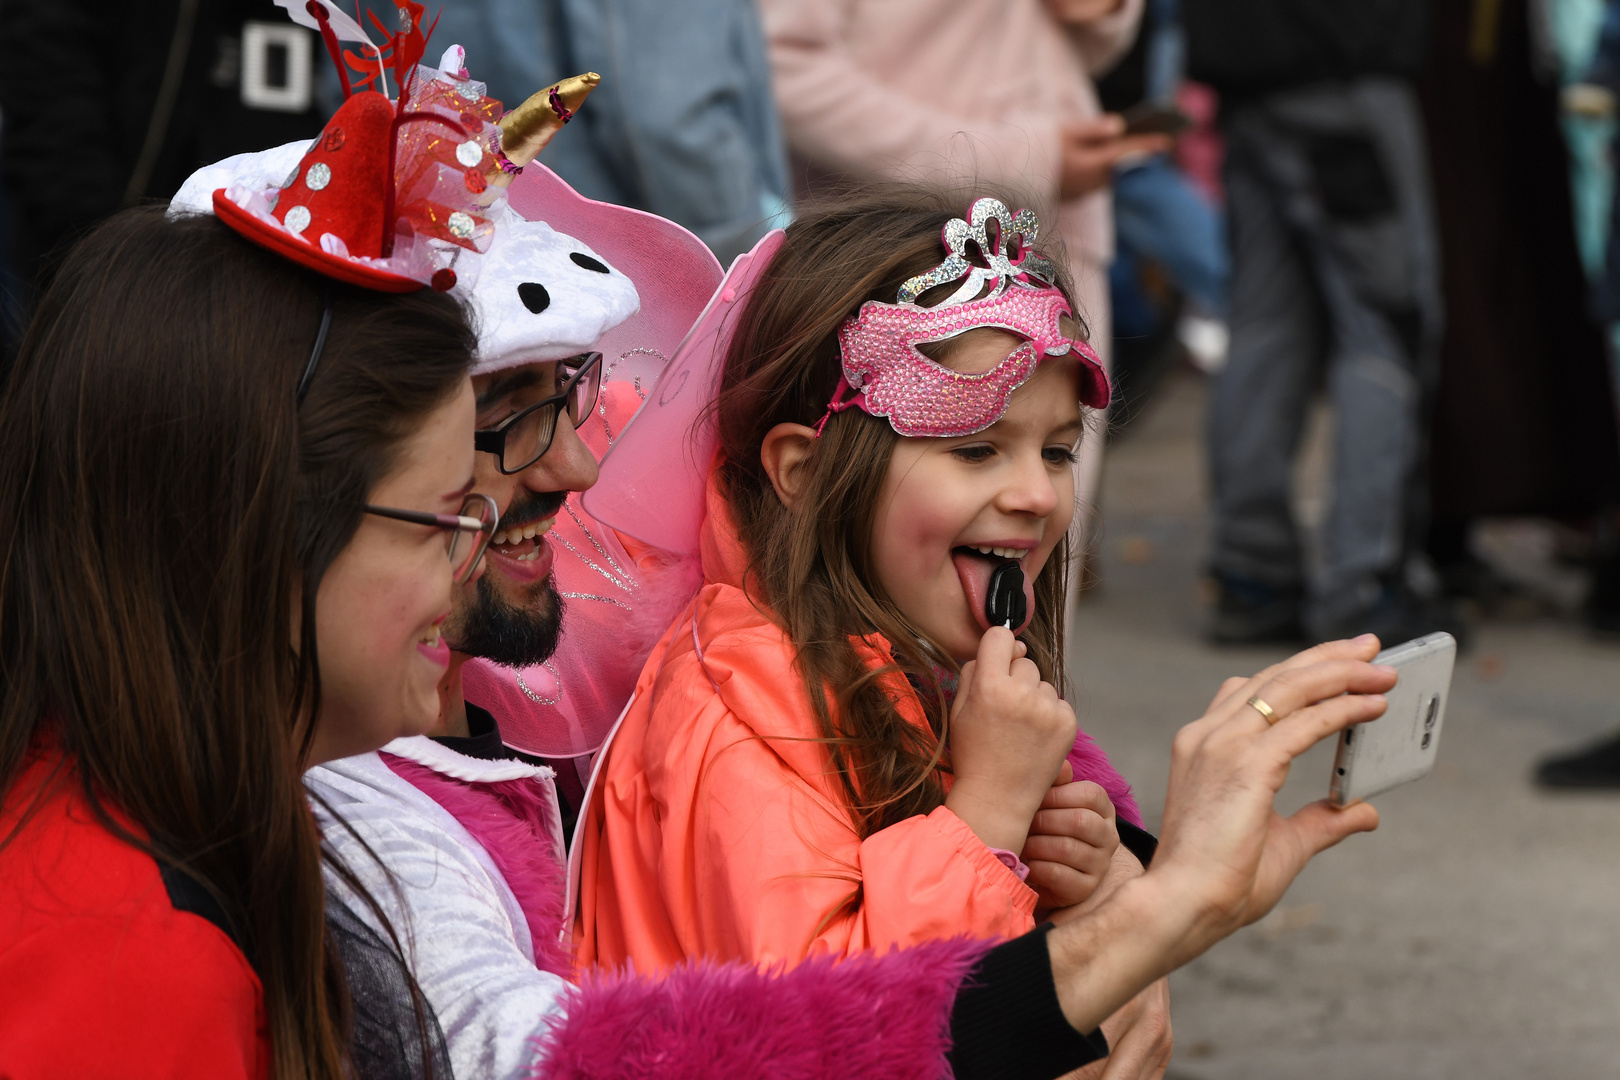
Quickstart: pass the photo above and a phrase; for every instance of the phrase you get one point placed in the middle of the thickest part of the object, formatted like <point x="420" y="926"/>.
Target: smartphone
<point x="1155" y="118"/>
<point x="1401" y="745"/>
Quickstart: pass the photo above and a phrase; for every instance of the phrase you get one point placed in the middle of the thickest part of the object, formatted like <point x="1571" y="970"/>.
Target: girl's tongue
<point x="974" y="570"/>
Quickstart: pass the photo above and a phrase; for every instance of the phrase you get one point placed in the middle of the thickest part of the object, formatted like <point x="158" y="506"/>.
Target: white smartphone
<point x="1401" y="745"/>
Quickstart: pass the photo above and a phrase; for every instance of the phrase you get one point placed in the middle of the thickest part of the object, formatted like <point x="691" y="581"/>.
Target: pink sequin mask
<point x="885" y="375"/>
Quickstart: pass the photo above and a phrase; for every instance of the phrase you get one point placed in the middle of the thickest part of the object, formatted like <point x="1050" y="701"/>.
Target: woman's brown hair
<point x="166" y="515"/>
<point x="810" y="565"/>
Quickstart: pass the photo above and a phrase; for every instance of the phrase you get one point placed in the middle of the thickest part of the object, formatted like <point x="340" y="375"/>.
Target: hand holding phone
<point x="1155" y="118"/>
<point x="1401" y="745"/>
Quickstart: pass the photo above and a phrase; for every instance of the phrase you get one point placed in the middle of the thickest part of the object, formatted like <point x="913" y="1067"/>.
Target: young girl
<point x="795" y="775"/>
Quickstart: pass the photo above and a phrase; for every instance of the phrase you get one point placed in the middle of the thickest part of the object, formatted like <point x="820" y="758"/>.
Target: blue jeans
<point x="1160" y="215"/>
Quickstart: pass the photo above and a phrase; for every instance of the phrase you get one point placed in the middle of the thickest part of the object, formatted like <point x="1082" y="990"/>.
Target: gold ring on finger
<point x="1263" y="709"/>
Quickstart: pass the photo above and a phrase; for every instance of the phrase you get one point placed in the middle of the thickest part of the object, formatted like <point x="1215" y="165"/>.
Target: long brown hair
<point x="166" y="514"/>
<point x="810" y="565"/>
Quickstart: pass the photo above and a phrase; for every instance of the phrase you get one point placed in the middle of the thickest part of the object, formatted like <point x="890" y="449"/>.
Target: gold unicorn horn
<point x="527" y="129"/>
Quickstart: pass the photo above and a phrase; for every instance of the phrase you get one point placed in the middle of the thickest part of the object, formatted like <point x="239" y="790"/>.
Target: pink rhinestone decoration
<point x="884" y="374"/>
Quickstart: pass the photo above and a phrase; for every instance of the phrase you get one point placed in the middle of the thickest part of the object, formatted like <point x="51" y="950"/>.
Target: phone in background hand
<point x="1401" y="745"/>
<point x="1155" y="118"/>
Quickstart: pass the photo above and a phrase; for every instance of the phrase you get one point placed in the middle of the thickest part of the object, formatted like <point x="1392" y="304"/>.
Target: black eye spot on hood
<point x="534" y="296"/>
<point x="584" y="260"/>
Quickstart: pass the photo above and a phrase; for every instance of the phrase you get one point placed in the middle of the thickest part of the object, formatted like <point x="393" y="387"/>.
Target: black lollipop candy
<point x="1004" y="603"/>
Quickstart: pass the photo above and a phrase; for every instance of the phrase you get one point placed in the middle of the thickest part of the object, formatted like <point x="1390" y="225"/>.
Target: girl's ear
<point x="783" y="453"/>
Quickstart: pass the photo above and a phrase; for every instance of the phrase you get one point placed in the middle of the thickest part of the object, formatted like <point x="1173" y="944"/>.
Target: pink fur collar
<point x="875" y="1017"/>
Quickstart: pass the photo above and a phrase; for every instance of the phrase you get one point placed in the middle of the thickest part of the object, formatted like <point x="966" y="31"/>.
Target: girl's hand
<point x="1009" y="733"/>
<point x="1071" y="844"/>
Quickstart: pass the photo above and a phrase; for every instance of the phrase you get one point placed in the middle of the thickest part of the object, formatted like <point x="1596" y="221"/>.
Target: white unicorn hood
<point x="544" y="295"/>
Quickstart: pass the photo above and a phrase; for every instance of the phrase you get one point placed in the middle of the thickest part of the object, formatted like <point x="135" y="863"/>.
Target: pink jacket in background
<point x="947" y="90"/>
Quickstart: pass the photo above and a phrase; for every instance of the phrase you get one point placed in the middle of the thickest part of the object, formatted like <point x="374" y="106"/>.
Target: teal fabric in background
<point x="1572" y="29"/>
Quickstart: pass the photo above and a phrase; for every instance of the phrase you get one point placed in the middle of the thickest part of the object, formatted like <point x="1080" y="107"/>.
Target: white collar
<point x="447" y="762"/>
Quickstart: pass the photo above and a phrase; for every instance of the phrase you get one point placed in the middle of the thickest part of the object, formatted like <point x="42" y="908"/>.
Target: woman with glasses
<point x="209" y="585"/>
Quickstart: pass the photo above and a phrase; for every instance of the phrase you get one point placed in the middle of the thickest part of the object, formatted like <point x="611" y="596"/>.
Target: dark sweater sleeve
<point x="1138" y="842"/>
<point x="1007" y="1023"/>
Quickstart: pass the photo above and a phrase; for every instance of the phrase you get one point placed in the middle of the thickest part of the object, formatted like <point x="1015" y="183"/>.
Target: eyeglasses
<point x="523" y="439"/>
<point x="466" y="534"/>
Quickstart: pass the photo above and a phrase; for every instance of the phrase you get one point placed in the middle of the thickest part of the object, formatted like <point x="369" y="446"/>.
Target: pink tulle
<point x="513" y="821"/>
<point x="891" y="1015"/>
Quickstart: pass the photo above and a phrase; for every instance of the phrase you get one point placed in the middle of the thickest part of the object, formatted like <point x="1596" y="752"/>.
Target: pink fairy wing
<point x="653" y="479"/>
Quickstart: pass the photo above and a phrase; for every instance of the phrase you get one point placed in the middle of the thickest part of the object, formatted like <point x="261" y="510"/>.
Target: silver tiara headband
<point x="1005" y="262"/>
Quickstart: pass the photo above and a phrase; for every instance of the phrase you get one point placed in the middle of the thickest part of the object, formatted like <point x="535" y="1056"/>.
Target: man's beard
<point x="494" y="628"/>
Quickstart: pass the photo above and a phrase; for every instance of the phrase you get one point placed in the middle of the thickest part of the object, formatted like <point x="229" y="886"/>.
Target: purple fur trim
<point x="1090" y="763"/>
<point x="876" y="1017"/>
<point x="512" y="820"/>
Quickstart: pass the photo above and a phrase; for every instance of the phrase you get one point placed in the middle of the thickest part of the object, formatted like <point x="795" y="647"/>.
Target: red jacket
<point x="102" y="974"/>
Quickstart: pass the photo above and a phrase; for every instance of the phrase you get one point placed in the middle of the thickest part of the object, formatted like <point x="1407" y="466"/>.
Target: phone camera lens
<point x="1430" y="717"/>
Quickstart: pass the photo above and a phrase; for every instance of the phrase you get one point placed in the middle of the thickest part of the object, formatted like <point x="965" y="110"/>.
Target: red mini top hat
<point x="331" y="214"/>
<point x="392" y="195"/>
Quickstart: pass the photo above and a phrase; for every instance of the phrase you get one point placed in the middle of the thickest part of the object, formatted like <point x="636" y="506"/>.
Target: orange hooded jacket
<point x="718" y="829"/>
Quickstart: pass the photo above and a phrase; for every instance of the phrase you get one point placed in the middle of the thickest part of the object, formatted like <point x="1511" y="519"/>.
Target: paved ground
<point x="1476" y="934"/>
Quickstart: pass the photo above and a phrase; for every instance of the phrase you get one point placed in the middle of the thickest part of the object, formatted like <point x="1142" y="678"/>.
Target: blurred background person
<point x="1334" y="281"/>
<point x="1586" y="36"/>
<point x="108" y="104"/>
<point x="994" y="94"/>
<point x="683" y="125"/>
<point x="1524" y="420"/>
<point x="1588" y="39"/>
<point x="1167" y="283"/>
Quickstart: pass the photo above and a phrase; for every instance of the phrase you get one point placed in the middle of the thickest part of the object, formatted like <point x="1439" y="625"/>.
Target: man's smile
<point x="519" y="549"/>
<point x="522" y="542"/>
